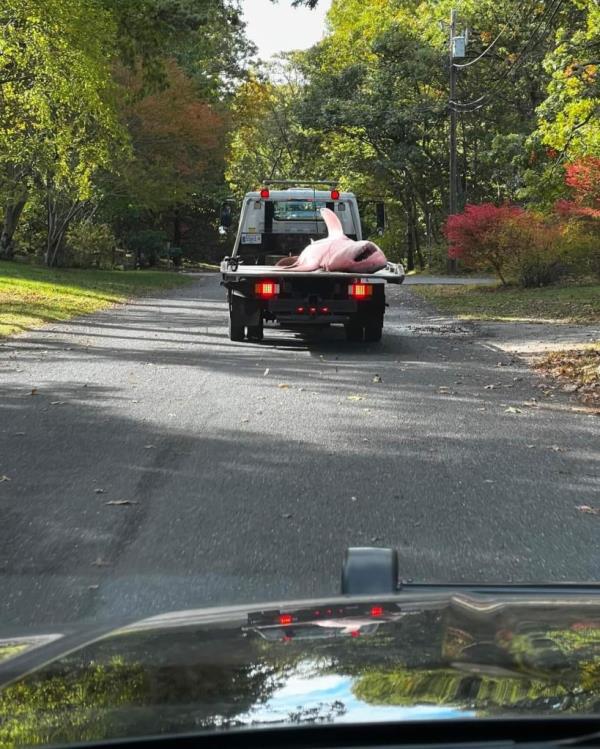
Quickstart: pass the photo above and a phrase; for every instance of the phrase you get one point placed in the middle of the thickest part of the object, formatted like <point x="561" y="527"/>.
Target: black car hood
<point x="436" y="656"/>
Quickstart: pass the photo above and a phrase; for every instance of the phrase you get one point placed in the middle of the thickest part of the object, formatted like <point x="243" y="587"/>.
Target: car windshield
<point x="299" y="363"/>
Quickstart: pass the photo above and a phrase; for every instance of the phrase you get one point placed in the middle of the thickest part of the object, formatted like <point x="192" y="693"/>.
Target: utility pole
<point x="452" y="202"/>
<point x="453" y="117"/>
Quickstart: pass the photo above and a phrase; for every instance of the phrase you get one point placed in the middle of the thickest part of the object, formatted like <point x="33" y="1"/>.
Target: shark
<point x="337" y="252"/>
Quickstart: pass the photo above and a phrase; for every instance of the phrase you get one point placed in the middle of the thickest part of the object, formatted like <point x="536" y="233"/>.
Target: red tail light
<point x="376" y="610"/>
<point x="266" y="289"/>
<point x="335" y="194"/>
<point x="360" y="290"/>
<point x="285" y="619"/>
<point x="264" y="193"/>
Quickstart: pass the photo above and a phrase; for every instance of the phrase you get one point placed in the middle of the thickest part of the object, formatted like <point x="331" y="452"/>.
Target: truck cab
<point x="277" y="222"/>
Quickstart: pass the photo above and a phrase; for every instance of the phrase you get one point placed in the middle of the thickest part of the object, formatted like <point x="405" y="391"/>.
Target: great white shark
<point x="337" y="252"/>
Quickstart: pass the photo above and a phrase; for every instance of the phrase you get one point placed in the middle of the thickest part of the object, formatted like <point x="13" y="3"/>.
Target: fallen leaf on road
<point x="377" y="378"/>
<point x="530" y="446"/>
<point x="489" y="387"/>
<point x="589" y="510"/>
<point x="4" y="478"/>
<point x="33" y="391"/>
<point x="355" y="398"/>
<point x="286" y="515"/>
<point x="99" y="491"/>
<point x="93" y="587"/>
<point x="512" y="410"/>
<point x="57" y="403"/>
<point x="120" y="502"/>
<point x="100" y="563"/>
<point x="557" y="449"/>
<point x="245" y="421"/>
<point x="353" y="499"/>
<point x="19" y="434"/>
<point x="266" y="372"/>
<point x="283" y="385"/>
<point x="149" y="447"/>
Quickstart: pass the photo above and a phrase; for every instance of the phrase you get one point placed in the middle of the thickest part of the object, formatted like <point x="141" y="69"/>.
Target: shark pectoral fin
<point x="333" y="224"/>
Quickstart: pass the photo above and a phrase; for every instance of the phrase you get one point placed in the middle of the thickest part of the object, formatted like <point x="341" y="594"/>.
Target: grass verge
<point x="31" y="296"/>
<point x="567" y="304"/>
<point x="576" y="371"/>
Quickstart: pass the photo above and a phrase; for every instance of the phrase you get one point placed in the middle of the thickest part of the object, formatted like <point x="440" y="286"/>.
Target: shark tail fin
<point x="334" y="226"/>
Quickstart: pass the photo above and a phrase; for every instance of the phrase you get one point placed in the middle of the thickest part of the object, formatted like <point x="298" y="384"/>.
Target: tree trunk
<point x="12" y="214"/>
<point x="177" y="228"/>
<point x="57" y="224"/>
<point x="416" y="238"/>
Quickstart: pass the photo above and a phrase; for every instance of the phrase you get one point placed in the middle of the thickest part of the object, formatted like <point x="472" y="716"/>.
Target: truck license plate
<point x="251" y="238"/>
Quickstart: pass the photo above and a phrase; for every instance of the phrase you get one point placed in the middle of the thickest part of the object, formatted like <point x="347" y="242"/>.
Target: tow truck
<point x="279" y="221"/>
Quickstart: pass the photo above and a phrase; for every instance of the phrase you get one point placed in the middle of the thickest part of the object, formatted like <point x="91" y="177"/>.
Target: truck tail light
<point x="360" y="290"/>
<point x="266" y="289"/>
<point x="335" y="194"/>
<point x="264" y="193"/>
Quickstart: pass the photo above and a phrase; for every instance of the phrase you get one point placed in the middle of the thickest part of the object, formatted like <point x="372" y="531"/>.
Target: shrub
<point x="90" y="245"/>
<point x="581" y="247"/>
<point x="485" y="236"/>
<point x="516" y="243"/>
<point x="148" y="245"/>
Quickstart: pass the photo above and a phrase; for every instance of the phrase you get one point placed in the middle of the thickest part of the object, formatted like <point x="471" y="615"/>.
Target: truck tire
<point x="373" y="330"/>
<point x="236" y="323"/>
<point x="256" y="332"/>
<point x="354" y="331"/>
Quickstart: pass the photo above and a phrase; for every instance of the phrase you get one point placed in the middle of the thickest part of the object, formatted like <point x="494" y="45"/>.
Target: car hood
<point x="404" y="657"/>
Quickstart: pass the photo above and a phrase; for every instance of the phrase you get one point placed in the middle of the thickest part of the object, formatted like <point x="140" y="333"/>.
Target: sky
<point x="277" y="27"/>
<point x="313" y="691"/>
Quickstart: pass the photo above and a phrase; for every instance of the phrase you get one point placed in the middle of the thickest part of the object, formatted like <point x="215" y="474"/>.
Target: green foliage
<point x="90" y="245"/>
<point x="31" y="712"/>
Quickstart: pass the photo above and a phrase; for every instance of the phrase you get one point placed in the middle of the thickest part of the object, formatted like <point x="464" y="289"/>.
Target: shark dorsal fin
<point x="334" y="226"/>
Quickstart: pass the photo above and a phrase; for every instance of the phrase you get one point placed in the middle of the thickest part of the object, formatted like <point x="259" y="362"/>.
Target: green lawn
<point x="32" y="295"/>
<point x="579" y="304"/>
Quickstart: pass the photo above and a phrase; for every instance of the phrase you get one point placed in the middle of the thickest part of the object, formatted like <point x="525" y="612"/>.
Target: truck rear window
<point x="298" y="210"/>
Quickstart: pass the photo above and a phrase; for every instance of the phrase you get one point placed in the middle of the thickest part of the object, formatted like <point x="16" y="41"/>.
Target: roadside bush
<point x="537" y="259"/>
<point x="581" y="247"/>
<point x="486" y="236"/>
<point x="148" y="245"/>
<point x="518" y="245"/>
<point x="90" y="245"/>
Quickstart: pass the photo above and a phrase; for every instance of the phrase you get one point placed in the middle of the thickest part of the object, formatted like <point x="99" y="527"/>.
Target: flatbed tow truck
<point x="279" y="223"/>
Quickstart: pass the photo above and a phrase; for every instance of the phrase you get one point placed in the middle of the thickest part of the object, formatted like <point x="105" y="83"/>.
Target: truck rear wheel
<point x="256" y="332"/>
<point x="373" y="330"/>
<point x="354" y="331"/>
<point x="236" y="323"/>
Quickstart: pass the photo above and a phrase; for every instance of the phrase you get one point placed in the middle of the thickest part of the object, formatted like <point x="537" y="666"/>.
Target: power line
<point x="475" y="104"/>
<point x="485" y="51"/>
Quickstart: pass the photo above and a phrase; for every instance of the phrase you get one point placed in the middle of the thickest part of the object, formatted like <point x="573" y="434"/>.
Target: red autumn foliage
<point x="583" y="177"/>
<point x="470" y="232"/>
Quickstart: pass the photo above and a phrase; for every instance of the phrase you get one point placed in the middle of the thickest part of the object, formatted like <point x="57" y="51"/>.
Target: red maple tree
<point x="583" y="178"/>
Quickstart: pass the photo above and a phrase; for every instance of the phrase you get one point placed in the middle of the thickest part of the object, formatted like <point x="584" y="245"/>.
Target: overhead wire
<point x="475" y="104"/>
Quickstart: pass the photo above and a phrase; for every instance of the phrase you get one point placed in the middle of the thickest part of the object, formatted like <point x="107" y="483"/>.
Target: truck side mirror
<point x="226" y="216"/>
<point x="380" y="207"/>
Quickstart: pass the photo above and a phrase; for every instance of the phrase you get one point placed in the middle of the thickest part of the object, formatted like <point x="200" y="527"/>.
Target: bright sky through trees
<point x="280" y="27"/>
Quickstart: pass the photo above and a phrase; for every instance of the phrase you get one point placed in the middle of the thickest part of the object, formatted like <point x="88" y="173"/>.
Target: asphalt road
<point x="247" y="469"/>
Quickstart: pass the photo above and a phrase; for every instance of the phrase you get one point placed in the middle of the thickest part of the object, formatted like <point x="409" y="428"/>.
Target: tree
<point x="485" y="235"/>
<point x="58" y="124"/>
